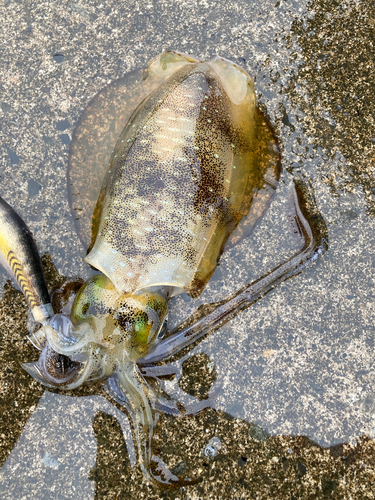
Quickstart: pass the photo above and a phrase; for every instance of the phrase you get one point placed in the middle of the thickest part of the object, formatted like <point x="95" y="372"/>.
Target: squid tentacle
<point x="128" y="387"/>
<point x="210" y="317"/>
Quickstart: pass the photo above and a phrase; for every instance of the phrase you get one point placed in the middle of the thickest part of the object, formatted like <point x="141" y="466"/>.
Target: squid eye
<point x="94" y="299"/>
<point x="56" y="368"/>
<point x="142" y="315"/>
<point x="143" y="326"/>
<point x="136" y="322"/>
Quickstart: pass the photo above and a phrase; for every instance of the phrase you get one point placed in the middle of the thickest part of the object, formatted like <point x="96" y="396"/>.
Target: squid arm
<point x="128" y="387"/>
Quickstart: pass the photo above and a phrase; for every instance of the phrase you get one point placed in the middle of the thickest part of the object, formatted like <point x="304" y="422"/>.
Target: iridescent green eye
<point x="141" y="315"/>
<point x="142" y="328"/>
<point x="130" y="320"/>
<point x="95" y="298"/>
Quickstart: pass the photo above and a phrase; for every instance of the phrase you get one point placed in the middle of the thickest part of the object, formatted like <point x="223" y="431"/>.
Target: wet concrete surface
<point x="289" y="381"/>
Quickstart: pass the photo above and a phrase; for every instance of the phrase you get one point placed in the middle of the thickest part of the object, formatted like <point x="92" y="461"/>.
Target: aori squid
<point x="194" y="168"/>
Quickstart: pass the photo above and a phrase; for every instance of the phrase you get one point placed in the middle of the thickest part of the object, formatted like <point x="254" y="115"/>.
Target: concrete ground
<point x="290" y="380"/>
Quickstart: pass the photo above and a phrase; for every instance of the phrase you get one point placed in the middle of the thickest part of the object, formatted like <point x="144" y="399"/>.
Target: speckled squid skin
<point x="181" y="177"/>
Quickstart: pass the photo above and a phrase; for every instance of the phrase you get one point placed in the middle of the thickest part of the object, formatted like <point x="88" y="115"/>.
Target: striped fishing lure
<point x="19" y="256"/>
